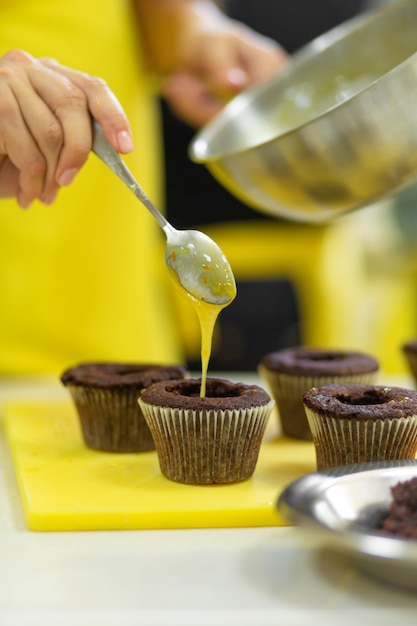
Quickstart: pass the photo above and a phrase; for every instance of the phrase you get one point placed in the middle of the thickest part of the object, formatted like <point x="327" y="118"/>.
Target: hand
<point x="45" y="125"/>
<point x="219" y="58"/>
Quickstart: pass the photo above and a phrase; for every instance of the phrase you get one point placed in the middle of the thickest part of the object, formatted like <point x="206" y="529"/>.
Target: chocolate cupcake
<point x="215" y="439"/>
<point x="105" y="396"/>
<point x="410" y="352"/>
<point x="361" y="423"/>
<point x="291" y="372"/>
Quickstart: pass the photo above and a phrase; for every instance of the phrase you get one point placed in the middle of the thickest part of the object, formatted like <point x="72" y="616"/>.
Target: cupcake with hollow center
<point x="361" y="423"/>
<point x="105" y="396"/>
<point x="214" y="439"/>
<point x="291" y="372"/>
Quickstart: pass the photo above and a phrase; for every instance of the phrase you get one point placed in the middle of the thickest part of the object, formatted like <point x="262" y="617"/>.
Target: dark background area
<point x="194" y="198"/>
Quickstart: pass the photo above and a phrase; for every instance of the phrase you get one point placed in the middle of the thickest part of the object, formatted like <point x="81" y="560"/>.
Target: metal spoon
<point x="194" y="260"/>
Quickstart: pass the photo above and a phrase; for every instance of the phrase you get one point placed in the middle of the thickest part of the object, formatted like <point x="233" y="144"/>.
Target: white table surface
<point x="246" y="577"/>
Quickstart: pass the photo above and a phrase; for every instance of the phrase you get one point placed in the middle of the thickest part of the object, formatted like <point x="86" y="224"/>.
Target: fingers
<point x="9" y="179"/>
<point x="223" y="67"/>
<point x="102" y="104"/>
<point x="17" y="142"/>
<point x="259" y="55"/>
<point x="190" y="99"/>
<point x="222" y="59"/>
<point x="65" y="135"/>
<point x="45" y="125"/>
<point x="239" y="59"/>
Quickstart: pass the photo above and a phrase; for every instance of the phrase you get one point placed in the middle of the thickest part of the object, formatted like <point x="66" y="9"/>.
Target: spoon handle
<point x="103" y="149"/>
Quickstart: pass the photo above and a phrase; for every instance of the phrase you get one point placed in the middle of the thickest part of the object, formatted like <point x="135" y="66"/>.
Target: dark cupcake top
<point x="361" y="402"/>
<point x="116" y="375"/>
<point x="304" y="361"/>
<point x="220" y="395"/>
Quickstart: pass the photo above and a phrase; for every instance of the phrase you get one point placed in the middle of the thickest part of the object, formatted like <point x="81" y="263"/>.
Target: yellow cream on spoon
<point x="201" y="269"/>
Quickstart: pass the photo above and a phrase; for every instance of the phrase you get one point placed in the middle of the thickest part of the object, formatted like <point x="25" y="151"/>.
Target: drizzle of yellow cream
<point x="207" y="315"/>
<point x="216" y="273"/>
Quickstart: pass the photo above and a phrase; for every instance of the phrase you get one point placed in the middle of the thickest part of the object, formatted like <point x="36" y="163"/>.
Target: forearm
<point x="165" y="25"/>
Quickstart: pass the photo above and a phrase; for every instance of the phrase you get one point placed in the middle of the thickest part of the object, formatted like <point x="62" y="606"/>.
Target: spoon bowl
<point x="198" y="263"/>
<point x="195" y="262"/>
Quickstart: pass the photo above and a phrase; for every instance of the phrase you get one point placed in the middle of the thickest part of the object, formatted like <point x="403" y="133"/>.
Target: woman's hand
<point x="215" y="58"/>
<point x="219" y="65"/>
<point x="45" y="125"/>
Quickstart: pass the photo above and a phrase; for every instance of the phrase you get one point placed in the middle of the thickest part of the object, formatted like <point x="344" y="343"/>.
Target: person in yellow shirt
<point x="84" y="279"/>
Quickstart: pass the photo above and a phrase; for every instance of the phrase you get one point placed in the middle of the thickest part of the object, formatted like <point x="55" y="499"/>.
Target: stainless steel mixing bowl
<point x="334" y="131"/>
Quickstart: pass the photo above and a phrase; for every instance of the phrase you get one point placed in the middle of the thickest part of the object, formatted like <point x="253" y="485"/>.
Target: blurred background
<point x="347" y="284"/>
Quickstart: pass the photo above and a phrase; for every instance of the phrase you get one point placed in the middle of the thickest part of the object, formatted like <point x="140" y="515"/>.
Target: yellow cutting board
<point x="66" y="486"/>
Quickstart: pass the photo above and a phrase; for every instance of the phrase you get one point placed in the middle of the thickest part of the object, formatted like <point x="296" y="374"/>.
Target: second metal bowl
<point x="345" y="506"/>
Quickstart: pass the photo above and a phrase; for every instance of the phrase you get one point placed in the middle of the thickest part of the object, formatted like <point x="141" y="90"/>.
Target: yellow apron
<point x="84" y="279"/>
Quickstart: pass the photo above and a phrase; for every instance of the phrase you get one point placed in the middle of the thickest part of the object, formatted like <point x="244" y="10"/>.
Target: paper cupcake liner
<point x="288" y="391"/>
<point x="205" y="447"/>
<point x="345" y="441"/>
<point x="111" y="419"/>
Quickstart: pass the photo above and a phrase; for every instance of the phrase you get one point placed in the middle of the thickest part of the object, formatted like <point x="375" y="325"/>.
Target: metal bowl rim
<point x="314" y="48"/>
